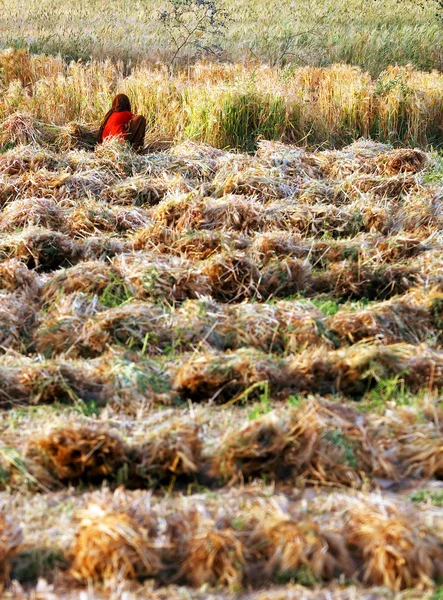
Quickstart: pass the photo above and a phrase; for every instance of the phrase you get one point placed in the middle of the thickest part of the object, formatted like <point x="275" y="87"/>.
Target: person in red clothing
<point x="121" y="123"/>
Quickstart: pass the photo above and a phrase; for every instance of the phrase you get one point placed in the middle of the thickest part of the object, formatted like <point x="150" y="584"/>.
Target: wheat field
<point x="220" y="359"/>
<point x="371" y="34"/>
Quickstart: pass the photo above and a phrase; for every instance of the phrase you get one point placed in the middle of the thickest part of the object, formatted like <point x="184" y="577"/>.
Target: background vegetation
<point x="371" y="34"/>
<point x="231" y="105"/>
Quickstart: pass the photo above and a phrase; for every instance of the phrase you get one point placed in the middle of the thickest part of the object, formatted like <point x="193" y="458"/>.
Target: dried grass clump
<point x="75" y="135"/>
<point x="174" y="450"/>
<point x="137" y="324"/>
<point x="90" y="216"/>
<point x="349" y="280"/>
<point x="221" y="376"/>
<point x="213" y="557"/>
<point x="232" y="276"/>
<point x="287" y="544"/>
<point x="284" y="278"/>
<point x="361" y="156"/>
<point x="293" y="161"/>
<point x="352" y="370"/>
<point x="402" y="160"/>
<point x="89" y="277"/>
<point x="85" y="453"/>
<point x="312" y="442"/>
<point x="17" y="318"/>
<point x="397" y="320"/>
<point x="46" y="250"/>
<point x="255" y="449"/>
<point x="229" y="213"/>
<point x="204" y="154"/>
<point x="22" y="159"/>
<point x="60" y="327"/>
<point x="11" y="537"/>
<point x="15" y="276"/>
<point x="378" y="186"/>
<point x="398" y="550"/>
<point x="21" y="128"/>
<point x="278" y="327"/>
<point x="165" y="278"/>
<point x="112" y="546"/>
<point x="141" y="190"/>
<point x="278" y="244"/>
<point x="36" y="381"/>
<point x="27" y="212"/>
<point x="103" y="247"/>
<point x="245" y="176"/>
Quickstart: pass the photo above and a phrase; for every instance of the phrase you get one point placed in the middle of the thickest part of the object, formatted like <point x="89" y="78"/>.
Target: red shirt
<point x="115" y="125"/>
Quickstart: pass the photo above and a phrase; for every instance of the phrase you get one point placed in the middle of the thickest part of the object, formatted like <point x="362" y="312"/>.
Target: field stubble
<point x="241" y="350"/>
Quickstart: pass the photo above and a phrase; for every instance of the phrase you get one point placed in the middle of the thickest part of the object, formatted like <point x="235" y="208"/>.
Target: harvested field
<point x="220" y="373"/>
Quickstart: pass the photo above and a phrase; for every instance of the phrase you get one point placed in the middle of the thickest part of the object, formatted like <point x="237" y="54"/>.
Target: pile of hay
<point x="84" y="453"/>
<point x="174" y="450"/>
<point x="112" y="546"/>
<point x="397" y="549"/>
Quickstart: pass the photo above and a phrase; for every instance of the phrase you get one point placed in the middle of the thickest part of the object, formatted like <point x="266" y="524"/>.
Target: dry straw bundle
<point x="112" y="545"/>
<point x="81" y="453"/>
<point x="397" y="550"/>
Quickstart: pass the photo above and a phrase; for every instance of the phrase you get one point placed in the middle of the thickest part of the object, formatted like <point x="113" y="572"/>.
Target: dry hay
<point x="286" y="544"/>
<point x="11" y="537"/>
<point x="21" y="159"/>
<point x="17" y="277"/>
<point x="361" y="156"/>
<point x="112" y="545"/>
<point x="418" y="446"/>
<point x="283" y="326"/>
<point x="103" y="247"/>
<point x="401" y="319"/>
<point x="312" y="442"/>
<point x="242" y="175"/>
<point x="398" y="551"/>
<point x="349" y="280"/>
<point x="285" y="277"/>
<point x="42" y="212"/>
<point x="213" y="557"/>
<point x="294" y="162"/>
<point x="36" y="381"/>
<point x="174" y="450"/>
<point x="141" y="190"/>
<point x="403" y="160"/>
<point x="205" y="154"/>
<point x="17" y="318"/>
<point x="232" y="276"/>
<point x="89" y="277"/>
<point x="22" y="128"/>
<point x="278" y="244"/>
<point x="185" y="209"/>
<point x="137" y="324"/>
<point x="75" y="135"/>
<point x="228" y="213"/>
<point x="377" y="186"/>
<point x="307" y="220"/>
<point x="45" y="250"/>
<point x="89" y="217"/>
<point x="60" y="328"/>
<point x="161" y="277"/>
<point x="220" y="376"/>
<point x="87" y="453"/>
<point x="420" y="211"/>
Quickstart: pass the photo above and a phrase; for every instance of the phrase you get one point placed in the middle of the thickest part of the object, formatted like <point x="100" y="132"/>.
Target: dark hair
<point x="120" y="103"/>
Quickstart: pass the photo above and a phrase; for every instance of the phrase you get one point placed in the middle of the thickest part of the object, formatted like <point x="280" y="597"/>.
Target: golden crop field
<point x="370" y="33"/>
<point x="220" y="359"/>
